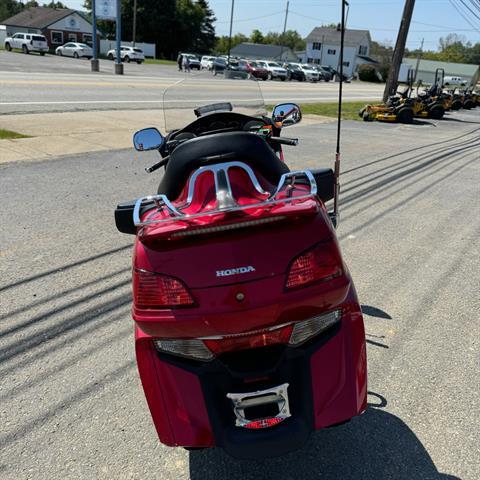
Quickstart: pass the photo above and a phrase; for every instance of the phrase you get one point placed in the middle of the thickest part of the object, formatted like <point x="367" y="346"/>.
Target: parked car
<point x="294" y="72"/>
<point x="335" y="75"/>
<point x="327" y="76"/>
<point x="219" y="65"/>
<point x="193" y="61"/>
<point x="75" y="50"/>
<point x="253" y="69"/>
<point x="302" y="72"/>
<point x="27" y="42"/>
<point x="275" y="70"/>
<point x="207" y="62"/>
<point x="458" y="81"/>
<point x="127" y="54"/>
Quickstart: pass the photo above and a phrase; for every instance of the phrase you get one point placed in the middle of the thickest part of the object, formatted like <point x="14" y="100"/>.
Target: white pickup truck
<point x="27" y="42"/>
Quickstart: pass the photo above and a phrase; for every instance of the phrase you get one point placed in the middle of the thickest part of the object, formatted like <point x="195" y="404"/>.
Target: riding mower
<point x="397" y="109"/>
<point x="457" y="99"/>
<point x="469" y="98"/>
<point x="430" y="103"/>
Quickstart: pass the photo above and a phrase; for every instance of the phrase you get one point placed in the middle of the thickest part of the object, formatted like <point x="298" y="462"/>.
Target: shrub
<point x="368" y="73"/>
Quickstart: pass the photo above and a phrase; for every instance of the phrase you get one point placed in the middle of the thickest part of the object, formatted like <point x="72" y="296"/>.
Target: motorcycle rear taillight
<point x="155" y="291"/>
<point x="320" y="263"/>
<point x="207" y="348"/>
<point x="254" y="339"/>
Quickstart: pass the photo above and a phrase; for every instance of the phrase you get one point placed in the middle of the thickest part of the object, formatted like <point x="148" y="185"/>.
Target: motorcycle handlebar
<point x="158" y="165"/>
<point x="284" y="141"/>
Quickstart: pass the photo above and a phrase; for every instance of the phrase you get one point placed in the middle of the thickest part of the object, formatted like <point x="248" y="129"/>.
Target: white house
<point x="323" y="47"/>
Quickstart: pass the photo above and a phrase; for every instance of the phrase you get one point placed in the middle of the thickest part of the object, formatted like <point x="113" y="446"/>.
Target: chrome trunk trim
<point x="225" y="201"/>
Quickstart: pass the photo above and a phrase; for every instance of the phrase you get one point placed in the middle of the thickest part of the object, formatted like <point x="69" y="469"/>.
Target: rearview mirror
<point x="287" y="114"/>
<point x="147" y="139"/>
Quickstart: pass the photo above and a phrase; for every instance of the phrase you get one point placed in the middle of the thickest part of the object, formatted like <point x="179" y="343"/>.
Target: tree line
<point x="9" y="8"/>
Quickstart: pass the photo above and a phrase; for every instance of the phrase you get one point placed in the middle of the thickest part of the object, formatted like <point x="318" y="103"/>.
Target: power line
<point x="457" y="8"/>
<point x="466" y="6"/>
<point x="252" y="18"/>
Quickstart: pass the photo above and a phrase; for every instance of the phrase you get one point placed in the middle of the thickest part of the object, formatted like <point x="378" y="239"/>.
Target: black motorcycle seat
<point x="218" y="148"/>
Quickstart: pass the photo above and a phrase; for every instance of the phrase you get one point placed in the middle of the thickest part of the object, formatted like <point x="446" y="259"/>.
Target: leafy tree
<point x="383" y="54"/>
<point x="54" y="4"/>
<point x="221" y="45"/>
<point x="291" y="39"/>
<point x="9" y="8"/>
<point x="257" y="36"/>
<point x="206" y="38"/>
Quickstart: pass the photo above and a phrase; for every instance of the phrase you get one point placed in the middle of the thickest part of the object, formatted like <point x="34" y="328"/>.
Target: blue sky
<point x="432" y="19"/>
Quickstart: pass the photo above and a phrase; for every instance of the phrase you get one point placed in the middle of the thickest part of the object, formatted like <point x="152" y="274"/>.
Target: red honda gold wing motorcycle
<point x="248" y="331"/>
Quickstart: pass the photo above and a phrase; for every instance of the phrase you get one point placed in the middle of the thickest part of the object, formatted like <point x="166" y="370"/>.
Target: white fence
<point x="148" y="48"/>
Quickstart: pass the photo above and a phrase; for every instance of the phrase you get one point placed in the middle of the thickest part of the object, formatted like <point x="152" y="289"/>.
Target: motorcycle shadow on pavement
<point x="376" y="445"/>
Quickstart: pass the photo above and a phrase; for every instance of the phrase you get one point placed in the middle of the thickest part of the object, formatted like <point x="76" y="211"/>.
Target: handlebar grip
<point x="284" y="141"/>
<point x="158" y="165"/>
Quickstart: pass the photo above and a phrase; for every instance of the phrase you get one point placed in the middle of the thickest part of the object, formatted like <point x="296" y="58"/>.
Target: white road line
<point x="191" y="101"/>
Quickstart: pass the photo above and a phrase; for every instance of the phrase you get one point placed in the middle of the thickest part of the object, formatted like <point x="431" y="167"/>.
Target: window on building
<point x="362" y="50"/>
<point x="317" y="61"/>
<point x="309" y="60"/>
<point x="72" y="37"/>
<point x="87" y="38"/>
<point x="316" y="46"/>
<point x="346" y="64"/>
<point x="331" y="51"/>
<point x="57" y="37"/>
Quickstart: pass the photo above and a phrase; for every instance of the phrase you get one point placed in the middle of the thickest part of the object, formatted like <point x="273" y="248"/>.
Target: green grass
<point x="349" y="109"/>
<point x="8" y="135"/>
<point x="160" y="61"/>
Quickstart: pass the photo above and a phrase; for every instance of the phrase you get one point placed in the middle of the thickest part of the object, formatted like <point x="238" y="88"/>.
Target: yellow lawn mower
<point x="397" y="109"/>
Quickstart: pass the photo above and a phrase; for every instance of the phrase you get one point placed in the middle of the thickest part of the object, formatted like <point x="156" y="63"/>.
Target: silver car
<point x="75" y="50"/>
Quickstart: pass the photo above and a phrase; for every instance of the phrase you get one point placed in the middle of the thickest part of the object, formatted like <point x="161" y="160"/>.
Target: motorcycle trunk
<point x="263" y="340"/>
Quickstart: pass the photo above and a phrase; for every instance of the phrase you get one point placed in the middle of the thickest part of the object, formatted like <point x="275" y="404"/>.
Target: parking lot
<point x="27" y="85"/>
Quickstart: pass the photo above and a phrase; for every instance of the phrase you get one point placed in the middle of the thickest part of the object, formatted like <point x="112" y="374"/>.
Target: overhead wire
<point x="465" y="17"/>
<point x="470" y="10"/>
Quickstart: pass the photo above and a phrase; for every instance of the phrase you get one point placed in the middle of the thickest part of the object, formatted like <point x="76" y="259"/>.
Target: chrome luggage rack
<point x="224" y="196"/>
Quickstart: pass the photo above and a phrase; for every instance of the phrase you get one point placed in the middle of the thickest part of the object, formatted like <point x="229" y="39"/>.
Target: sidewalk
<point x="69" y="133"/>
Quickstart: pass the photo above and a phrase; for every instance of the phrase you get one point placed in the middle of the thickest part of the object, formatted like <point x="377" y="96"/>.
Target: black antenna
<point x="334" y="216"/>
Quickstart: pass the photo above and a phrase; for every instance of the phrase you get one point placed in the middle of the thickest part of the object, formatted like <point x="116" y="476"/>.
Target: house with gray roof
<point x="258" y="51"/>
<point x="323" y="47"/>
<point x="58" y="25"/>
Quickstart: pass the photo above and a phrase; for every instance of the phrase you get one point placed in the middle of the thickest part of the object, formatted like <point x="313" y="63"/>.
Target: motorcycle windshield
<point x="235" y="90"/>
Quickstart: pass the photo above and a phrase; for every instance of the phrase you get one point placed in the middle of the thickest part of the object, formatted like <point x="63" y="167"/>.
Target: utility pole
<point x="134" y="21"/>
<point x="418" y="61"/>
<point x="95" y="64"/>
<point x="230" y="36"/>
<point x="118" y="41"/>
<point x="392" y="81"/>
<point x="321" y="49"/>
<point x="284" y="29"/>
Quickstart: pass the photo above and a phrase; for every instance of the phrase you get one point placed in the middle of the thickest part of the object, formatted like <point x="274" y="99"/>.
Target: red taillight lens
<point x="264" y="423"/>
<point x="152" y="290"/>
<point x="318" y="264"/>
<point x="255" y="339"/>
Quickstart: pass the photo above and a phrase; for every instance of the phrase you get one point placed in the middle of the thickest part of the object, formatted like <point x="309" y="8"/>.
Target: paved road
<point x="71" y="405"/>
<point x="30" y="83"/>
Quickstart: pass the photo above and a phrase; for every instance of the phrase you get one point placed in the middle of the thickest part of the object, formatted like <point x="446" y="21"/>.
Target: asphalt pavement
<point x="71" y="404"/>
<point x="32" y="84"/>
